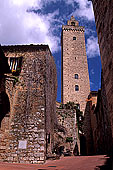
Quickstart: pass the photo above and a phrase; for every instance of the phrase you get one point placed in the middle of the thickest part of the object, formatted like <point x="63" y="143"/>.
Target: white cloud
<point x="92" y="71"/>
<point x="89" y="31"/>
<point x="92" y="47"/>
<point x="85" y="8"/>
<point x="91" y="83"/>
<point x="17" y="26"/>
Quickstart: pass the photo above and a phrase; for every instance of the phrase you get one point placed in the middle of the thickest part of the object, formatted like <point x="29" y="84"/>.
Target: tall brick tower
<point x="75" y="77"/>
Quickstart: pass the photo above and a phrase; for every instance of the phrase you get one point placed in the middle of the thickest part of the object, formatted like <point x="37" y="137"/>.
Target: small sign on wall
<point x="22" y="144"/>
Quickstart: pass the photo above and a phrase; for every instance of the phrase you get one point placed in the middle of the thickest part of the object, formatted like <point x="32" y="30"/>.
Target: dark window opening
<point x="4" y="106"/>
<point x="74" y="38"/>
<point x="48" y="138"/>
<point x="76" y="88"/>
<point x="78" y="106"/>
<point x="73" y="23"/>
<point x="76" y="76"/>
<point x="15" y="65"/>
<point x="4" y="67"/>
<point x="75" y="58"/>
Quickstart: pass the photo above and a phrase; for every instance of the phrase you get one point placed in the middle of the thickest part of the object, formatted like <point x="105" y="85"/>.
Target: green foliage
<point x="69" y="139"/>
<point x="16" y="79"/>
<point x="69" y="105"/>
<point x="79" y="114"/>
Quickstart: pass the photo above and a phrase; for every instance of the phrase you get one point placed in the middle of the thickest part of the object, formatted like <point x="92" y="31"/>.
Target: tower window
<point x="76" y="88"/>
<point x="74" y="38"/>
<point x="73" y="23"/>
<point x="78" y="106"/>
<point x="76" y="76"/>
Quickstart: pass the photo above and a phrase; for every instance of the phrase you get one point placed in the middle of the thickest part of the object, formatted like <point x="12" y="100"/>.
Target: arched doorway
<point x="4" y="105"/>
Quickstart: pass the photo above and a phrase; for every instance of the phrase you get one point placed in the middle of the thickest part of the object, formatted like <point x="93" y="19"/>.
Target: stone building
<point x="75" y="77"/>
<point x="90" y="122"/>
<point x="97" y="130"/>
<point x="103" y="11"/>
<point x="28" y="90"/>
<point x="67" y="135"/>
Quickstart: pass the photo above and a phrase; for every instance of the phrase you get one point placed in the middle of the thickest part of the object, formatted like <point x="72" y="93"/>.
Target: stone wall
<point x="90" y="123"/>
<point x="103" y="11"/>
<point x="67" y="120"/>
<point x="23" y="133"/>
<point x="102" y="134"/>
<point x="97" y="130"/>
<point x="74" y="61"/>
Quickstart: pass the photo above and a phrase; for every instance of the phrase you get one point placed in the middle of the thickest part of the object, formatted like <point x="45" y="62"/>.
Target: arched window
<point x="74" y="38"/>
<point x="76" y="88"/>
<point x="73" y="23"/>
<point x="76" y="76"/>
<point x="78" y="106"/>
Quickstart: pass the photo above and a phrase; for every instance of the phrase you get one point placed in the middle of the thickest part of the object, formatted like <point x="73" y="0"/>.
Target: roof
<point x="30" y="47"/>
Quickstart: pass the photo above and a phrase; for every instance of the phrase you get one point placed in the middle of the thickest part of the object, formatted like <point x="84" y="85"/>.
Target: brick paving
<point x="65" y="163"/>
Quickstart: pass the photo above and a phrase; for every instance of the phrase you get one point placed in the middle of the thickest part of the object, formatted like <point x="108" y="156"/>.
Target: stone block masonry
<point x="24" y="129"/>
<point x="104" y="27"/>
<point x="75" y="76"/>
<point x="67" y="119"/>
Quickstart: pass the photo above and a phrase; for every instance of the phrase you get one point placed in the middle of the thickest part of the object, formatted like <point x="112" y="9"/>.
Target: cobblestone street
<point x="65" y="163"/>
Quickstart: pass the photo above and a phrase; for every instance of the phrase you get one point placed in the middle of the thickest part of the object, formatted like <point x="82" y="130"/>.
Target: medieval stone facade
<point x="97" y="130"/>
<point x="28" y="92"/>
<point x="103" y="11"/>
<point x="90" y="122"/>
<point x="75" y="77"/>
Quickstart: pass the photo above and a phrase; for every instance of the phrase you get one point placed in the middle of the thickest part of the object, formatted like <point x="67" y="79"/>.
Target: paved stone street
<point x="65" y="163"/>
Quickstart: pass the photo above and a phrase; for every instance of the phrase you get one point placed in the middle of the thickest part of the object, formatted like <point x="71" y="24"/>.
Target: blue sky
<point x="40" y="22"/>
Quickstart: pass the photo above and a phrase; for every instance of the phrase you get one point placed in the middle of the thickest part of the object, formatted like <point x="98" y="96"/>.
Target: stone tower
<point x="75" y="77"/>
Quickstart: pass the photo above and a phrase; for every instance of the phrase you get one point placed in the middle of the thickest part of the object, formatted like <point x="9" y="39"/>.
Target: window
<point x="76" y="88"/>
<point x="48" y="138"/>
<point x="76" y="76"/>
<point x="73" y="23"/>
<point x="74" y="38"/>
<point x="78" y="106"/>
<point x="15" y="65"/>
<point x="75" y="58"/>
